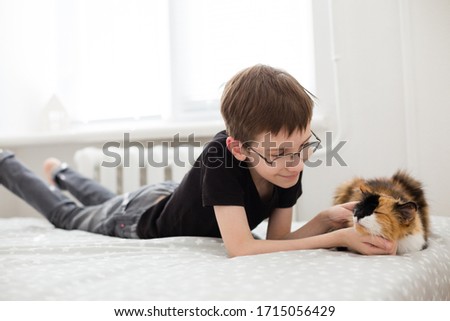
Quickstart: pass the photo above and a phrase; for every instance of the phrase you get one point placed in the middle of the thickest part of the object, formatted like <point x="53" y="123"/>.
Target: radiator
<point x="124" y="171"/>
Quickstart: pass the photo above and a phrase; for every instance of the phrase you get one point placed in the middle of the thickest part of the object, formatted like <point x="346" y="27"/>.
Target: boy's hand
<point x="339" y="216"/>
<point x="367" y="244"/>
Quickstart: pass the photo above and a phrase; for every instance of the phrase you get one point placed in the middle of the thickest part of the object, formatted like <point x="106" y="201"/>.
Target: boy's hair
<point x="262" y="99"/>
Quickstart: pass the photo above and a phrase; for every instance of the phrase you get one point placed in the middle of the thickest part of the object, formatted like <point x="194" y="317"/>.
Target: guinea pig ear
<point x="407" y="210"/>
<point x="365" y="189"/>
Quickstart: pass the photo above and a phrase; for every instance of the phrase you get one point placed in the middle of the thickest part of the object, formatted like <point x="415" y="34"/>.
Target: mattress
<point x="40" y="262"/>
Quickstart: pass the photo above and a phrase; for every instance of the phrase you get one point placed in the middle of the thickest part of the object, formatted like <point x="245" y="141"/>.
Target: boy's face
<point x="268" y="157"/>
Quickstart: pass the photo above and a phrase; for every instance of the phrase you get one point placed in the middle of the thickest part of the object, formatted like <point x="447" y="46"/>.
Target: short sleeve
<point x="221" y="177"/>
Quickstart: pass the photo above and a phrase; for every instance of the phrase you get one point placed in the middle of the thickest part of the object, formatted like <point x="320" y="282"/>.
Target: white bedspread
<point x="39" y="262"/>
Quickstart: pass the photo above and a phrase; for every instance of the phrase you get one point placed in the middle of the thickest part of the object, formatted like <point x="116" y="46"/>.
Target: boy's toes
<point x="50" y="164"/>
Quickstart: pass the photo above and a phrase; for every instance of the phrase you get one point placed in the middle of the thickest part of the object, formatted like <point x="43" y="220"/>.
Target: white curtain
<point x="129" y="59"/>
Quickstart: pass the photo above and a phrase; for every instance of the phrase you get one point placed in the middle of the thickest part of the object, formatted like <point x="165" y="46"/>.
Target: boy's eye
<point x="279" y="154"/>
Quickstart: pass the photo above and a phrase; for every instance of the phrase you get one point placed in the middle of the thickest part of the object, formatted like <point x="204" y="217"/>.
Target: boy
<point x="250" y="172"/>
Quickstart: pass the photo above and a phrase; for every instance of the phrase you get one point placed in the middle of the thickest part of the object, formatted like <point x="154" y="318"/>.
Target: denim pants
<point x="101" y="211"/>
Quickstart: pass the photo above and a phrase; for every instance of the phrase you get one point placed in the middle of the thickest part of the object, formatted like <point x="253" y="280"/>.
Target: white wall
<point x="429" y="96"/>
<point x="391" y="71"/>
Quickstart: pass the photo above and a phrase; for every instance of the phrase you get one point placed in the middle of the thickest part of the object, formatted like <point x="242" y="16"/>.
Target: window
<point x="170" y="58"/>
<point x="114" y="58"/>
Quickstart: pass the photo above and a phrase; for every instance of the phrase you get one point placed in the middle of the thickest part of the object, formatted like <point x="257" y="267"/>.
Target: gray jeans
<point x="101" y="211"/>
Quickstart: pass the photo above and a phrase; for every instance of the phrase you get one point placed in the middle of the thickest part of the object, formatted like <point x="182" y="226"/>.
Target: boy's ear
<point x="235" y="147"/>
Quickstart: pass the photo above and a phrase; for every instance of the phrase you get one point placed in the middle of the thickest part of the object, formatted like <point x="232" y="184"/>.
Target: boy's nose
<point x="297" y="167"/>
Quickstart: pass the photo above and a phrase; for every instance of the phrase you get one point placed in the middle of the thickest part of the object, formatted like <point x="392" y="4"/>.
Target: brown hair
<point x="262" y="99"/>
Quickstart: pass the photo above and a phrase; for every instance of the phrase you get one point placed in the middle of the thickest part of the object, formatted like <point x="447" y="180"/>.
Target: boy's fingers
<point x="350" y="205"/>
<point x="383" y="246"/>
<point x="375" y="250"/>
<point x="392" y="247"/>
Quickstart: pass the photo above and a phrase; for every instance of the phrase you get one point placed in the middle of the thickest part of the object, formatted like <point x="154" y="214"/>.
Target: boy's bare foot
<point x="50" y="164"/>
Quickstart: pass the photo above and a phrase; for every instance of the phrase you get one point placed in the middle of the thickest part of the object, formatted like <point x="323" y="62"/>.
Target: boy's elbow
<point x="233" y="254"/>
<point x="241" y="249"/>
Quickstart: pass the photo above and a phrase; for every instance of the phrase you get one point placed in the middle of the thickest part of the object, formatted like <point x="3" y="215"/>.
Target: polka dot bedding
<point x="39" y="262"/>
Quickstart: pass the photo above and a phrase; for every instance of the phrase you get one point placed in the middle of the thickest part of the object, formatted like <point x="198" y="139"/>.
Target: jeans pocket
<point x="124" y="226"/>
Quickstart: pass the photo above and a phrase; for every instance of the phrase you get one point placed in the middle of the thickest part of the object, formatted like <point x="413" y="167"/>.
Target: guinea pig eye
<point x="407" y="210"/>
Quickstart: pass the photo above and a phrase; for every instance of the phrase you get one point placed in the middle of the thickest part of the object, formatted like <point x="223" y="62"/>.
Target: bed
<point x="39" y="262"/>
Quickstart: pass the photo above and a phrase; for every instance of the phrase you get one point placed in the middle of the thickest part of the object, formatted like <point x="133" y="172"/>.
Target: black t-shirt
<point x="217" y="178"/>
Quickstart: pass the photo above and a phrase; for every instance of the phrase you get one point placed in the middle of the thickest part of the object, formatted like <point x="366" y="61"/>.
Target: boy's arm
<point x="239" y="240"/>
<point x="280" y="222"/>
<point x="334" y="218"/>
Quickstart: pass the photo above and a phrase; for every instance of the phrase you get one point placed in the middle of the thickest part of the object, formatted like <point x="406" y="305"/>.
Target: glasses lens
<point x="288" y="160"/>
<point x="309" y="150"/>
<point x="293" y="159"/>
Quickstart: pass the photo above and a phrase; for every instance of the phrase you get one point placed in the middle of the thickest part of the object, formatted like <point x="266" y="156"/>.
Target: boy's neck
<point x="263" y="186"/>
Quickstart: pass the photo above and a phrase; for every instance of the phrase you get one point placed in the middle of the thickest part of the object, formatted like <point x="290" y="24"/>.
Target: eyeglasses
<point x="292" y="159"/>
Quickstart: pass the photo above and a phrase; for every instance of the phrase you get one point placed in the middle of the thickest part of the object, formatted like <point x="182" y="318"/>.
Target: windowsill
<point x="143" y="130"/>
<point x="139" y="130"/>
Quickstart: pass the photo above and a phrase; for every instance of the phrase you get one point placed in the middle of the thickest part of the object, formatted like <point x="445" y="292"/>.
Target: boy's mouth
<point x="290" y="177"/>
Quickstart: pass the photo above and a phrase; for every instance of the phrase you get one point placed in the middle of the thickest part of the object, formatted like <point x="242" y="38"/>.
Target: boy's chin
<point x="286" y="182"/>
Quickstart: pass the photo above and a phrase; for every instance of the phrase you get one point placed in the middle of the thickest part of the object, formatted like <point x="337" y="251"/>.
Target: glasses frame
<point x="316" y="145"/>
